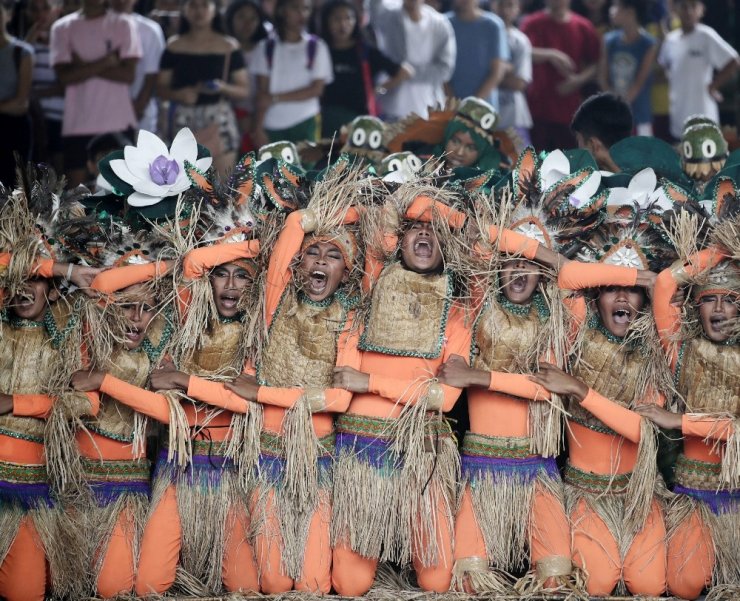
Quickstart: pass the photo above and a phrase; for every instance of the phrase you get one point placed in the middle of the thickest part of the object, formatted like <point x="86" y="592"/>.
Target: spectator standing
<point x="16" y="65"/>
<point x="513" y="107"/>
<point x="292" y="68"/>
<point x="248" y="24"/>
<point x="417" y="34"/>
<point x="565" y="53"/>
<point x="482" y="52"/>
<point x="145" y="79"/>
<point x="357" y="65"/>
<point x="201" y="73"/>
<point x="628" y="59"/>
<point x="94" y="52"/>
<point x="698" y="62"/>
<point x="45" y="87"/>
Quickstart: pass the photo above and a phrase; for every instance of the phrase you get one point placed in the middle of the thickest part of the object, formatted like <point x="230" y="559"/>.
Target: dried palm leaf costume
<point x="199" y="519"/>
<point x="397" y="463"/>
<point x="704" y="519"/>
<point x="37" y="359"/>
<point x="113" y="444"/>
<point x="611" y="476"/>
<point x="512" y="511"/>
<point x="291" y="503"/>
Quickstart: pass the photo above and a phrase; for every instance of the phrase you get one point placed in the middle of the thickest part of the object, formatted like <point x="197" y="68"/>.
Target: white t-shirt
<point x="513" y="107"/>
<point x="415" y="96"/>
<point x="152" y="47"/>
<point x="690" y="60"/>
<point x="290" y="72"/>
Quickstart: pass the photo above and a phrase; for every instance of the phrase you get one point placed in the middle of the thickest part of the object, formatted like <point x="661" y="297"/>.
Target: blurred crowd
<point x="78" y="78"/>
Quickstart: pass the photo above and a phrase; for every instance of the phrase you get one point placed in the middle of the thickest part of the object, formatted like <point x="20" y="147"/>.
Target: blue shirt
<point x="624" y="61"/>
<point x="478" y="43"/>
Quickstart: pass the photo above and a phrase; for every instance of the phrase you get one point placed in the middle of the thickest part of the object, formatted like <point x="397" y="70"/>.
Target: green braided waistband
<point x="377" y="427"/>
<point x="272" y="444"/>
<point x="700" y="475"/>
<point x="21" y="473"/>
<point x="115" y="471"/>
<point x="480" y="445"/>
<point x="597" y="483"/>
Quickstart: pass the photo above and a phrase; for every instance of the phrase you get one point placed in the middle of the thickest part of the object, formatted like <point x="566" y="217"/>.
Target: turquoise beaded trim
<point x="111" y="435"/>
<point x="155" y="352"/>
<point x="679" y="363"/>
<point x="19" y="436"/>
<point x="48" y="323"/>
<point x="538" y="301"/>
<point x="374" y="348"/>
<point x="236" y="319"/>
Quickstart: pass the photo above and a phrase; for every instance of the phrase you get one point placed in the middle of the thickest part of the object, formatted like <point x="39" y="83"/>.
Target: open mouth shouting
<point x="518" y="283"/>
<point x="134" y="335"/>
<point x="423" y="249"/>
<point x="718" y="323"/>
<point x="229" y="300"/>
<point x="622" y="315"/>
<point x="317" y="282"/>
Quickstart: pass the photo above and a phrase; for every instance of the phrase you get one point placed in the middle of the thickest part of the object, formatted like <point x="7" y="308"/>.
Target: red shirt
<point x="577" y="38"/>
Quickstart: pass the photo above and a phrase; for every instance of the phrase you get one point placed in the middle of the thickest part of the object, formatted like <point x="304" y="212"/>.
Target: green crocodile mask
<point x="282" y="150"/>
<point x="703" y="149"/>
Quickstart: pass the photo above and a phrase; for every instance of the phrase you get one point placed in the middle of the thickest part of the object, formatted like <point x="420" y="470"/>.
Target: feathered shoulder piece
<point x="549" y="203"/>
<point x="225" y="213"/>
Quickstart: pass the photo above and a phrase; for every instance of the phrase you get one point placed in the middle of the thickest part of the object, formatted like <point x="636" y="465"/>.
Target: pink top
<point x="96" y="105"/>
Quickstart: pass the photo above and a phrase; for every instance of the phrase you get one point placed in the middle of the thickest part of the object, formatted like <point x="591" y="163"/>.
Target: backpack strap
<point x="313" y="44"/>
<point x="270" y="50"/>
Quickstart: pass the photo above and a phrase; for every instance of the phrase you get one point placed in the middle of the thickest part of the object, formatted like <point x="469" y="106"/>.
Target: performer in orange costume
<point x="309" y="304"/>
<point x="35" y="327"/>
<point x="618" y="525"/>
<point x="704" y="519"/>
<point x="397" y="464"/>
<point x="513" y="495"/>
<point x="113" y="445"/>
<point x="200" y="512"/>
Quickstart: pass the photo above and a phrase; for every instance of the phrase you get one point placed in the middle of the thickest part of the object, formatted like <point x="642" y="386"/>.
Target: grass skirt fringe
<point x="206" y="488"/>
<point x="698" y="490"/>
<point x="502" y="478"/>
<point x="391" y="477"/>
<point x="114" y="487"/>
<point x="290" y="498"/>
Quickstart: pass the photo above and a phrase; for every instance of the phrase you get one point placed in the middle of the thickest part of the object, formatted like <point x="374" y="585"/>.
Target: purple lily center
<point x="163" y="171"/>
<point x="575" y="202"/>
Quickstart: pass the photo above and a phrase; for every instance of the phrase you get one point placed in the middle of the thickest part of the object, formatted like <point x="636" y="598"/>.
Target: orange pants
<point x="316" y="577"/>
<point x="116" y="576"/>
<point x="549" y="531"/>
<point x="595" y="550"/>
<point x="162" y="540"/>
<point x="23" y="573"/>
<point x="352" y="574"/>
<point x="690" y="558"/>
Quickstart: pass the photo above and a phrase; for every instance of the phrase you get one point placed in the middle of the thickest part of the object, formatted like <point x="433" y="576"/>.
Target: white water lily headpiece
<point x="642" y="192"/>
<point x="151" y="172"/>
<point x="556" y="167"/>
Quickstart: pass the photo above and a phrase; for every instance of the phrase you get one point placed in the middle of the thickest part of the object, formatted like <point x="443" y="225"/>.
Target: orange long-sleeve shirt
<point x="502" y="409"/>
<point x="696" y="428"/>
<point x="588" y="449"/>
<point x="277" y="400"/>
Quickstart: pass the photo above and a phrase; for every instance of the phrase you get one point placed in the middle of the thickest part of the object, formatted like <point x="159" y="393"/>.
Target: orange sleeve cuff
<point x="703" y="260"/>
<point x="421" y="210"/>
<point x="408" y="392"/>
<point x="279" y="397"/>
<point x="5" y="259"/>
<point x="618" y="418"/>
<point x="706" y="427"/>
<point x="517" y="385"/>
<point x="201" y="260"/>
<point x="44" y="268"/>
<point x="32" y="405"/>
<point x="119" y="278"/>
<point x="577" y="276"/>
<point x="513" y="243"/>
<point x="216" y="394"/>
<point x="144" y="401"/>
